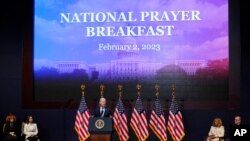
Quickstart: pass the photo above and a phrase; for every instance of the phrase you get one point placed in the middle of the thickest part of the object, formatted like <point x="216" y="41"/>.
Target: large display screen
<point x="129" y="42"/>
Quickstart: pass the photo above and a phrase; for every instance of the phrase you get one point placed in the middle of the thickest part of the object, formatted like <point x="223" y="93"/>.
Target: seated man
<point x="237" y="120"/>
<point x="102" y="110"/>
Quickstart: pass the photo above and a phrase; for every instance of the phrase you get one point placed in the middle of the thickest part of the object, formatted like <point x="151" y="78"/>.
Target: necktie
<point x="103" y="111"/>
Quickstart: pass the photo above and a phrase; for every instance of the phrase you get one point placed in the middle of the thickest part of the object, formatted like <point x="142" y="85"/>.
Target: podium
<point x="100" y="129"/>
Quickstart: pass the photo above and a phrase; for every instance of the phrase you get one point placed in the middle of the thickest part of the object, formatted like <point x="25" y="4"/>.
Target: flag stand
<point x="175" y="120"/>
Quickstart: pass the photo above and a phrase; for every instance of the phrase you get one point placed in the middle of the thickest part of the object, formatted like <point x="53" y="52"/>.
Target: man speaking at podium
<point x="100" y="126"/>
<point x="102" y="110"/>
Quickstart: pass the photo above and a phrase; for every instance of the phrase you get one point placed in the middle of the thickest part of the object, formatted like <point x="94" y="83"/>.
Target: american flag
<point x="157" y="121"/>
<point x="82" y="121"/>
<point x="120" y="121"/>
<point x="175" y="121"/>
<point x="138" y="121"/>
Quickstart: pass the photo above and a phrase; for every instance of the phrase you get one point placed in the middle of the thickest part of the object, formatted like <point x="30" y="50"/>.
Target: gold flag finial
<point x="173" y="89"/>
<point x="102" y="87"/>
<point x="138" y="87"/>
<point x="83" y="89"/>
<point x="120" y="87"/>
<point x="157" y="89"/>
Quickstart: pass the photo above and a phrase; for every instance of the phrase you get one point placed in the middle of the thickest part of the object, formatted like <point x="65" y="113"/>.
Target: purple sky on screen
<point x="201" y="39"/>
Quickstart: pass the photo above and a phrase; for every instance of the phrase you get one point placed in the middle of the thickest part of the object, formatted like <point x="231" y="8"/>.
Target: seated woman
<point x="10" y="128"/>
<point x="217" y="131"/>
<point x="30" y="129"/>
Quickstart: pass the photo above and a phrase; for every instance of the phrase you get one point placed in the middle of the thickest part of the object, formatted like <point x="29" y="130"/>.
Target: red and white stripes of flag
<point x="157" y="120"/>
<point x="120" y="119"/>
<point x="138" y="120"/>
<point x="82" y="118"/>
<point x="175" y="121"/>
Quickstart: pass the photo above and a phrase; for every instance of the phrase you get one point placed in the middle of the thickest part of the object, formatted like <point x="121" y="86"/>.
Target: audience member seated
<point x="11" y="129"/>
<point x="217" y="131"/>
<point x="237" y="120"/>
<point x="30" y="129"/>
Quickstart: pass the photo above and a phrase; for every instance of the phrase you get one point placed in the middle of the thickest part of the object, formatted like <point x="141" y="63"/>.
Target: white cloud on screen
<point x="214" y="49"/>
<point x="52" y="30"/>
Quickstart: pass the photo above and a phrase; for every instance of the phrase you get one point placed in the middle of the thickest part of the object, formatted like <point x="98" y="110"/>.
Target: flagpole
<point x="120" y="118"/>
<point x="176" y="118"/>
<point x="82" y="117"/>
<point x="157" y="93"/>
<point x="138" y="119"/>
<point x="157" y="89"/>
<point x="138" y="88"/>
<point x="102" y="87"/>
<point x="173" y="89"/>
<point x="83" y="89"/>
<point x="119" y="98"/>
<point x="120" y="87"/>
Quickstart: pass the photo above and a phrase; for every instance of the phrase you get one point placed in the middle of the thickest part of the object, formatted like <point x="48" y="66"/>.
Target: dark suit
<point x="97" y="112"/>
